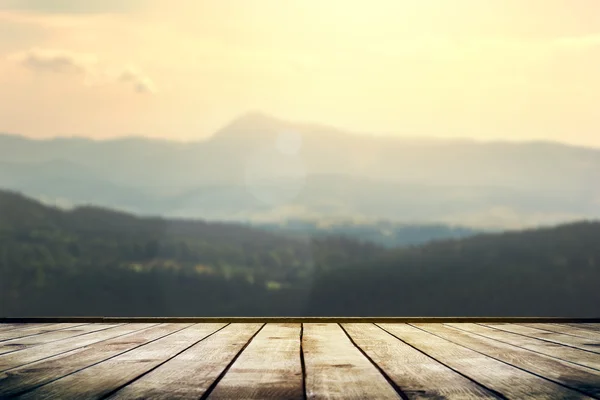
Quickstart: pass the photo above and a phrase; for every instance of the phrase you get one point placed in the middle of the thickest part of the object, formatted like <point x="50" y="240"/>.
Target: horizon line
<point x="346" y="132"/>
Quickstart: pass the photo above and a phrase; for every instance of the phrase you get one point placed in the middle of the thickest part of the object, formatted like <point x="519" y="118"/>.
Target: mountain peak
<point x="256" y="119"/>
<point x="255" y="116"/>
<point x="252" y="124"/>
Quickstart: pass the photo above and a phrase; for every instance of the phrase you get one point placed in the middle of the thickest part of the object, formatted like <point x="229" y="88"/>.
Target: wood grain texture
<point x="23" y="357"/>
<point x="576" y="377"/>
<point x="417" y="375"/>
<point x="10" y="327"/>
<point x="569" y="330"/>
<point x="507" y="380"/>
<point x="555" y="350"/>
<point x="191" y="373"/>
<point x="48" y="337"/>
<point x="34" y="330"/>
<point x="590" y="326"/>
<point x="554" y="337"/>
<point x="101" y="379"/>
<point x="268" y="368"/>
<point x="358" y="360"/>
<point x="336" y="369"/>
<point x="22" y="379"/>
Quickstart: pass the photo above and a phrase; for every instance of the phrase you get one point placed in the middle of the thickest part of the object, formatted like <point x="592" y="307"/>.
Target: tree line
<point x="93" y="261"/>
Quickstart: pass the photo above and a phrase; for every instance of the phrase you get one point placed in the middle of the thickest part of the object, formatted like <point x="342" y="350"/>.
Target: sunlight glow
<point x="488" y="70"/>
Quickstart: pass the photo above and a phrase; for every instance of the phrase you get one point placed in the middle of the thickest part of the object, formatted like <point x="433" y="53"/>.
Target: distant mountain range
<point x="382" y="233"/>
<point x="261" y="169"/>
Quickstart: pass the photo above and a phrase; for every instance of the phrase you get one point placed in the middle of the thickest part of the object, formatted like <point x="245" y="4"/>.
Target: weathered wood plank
<point x="203" y="367"/>
<point x="101" y="379"/>
<point x="593" y="327"/>
<point x="34" y="330"/>
<point x="269" y="368"/>
<point x="336" y="369"/>
<point x="22" y="357"/>
<point x="569" y="330"/>
<point x="554" y="337"/>
<point x="191" y="373"/>
<point x="555" y="350"/>
<point x="418" y="375"/>
<point x="576" y="377"/>
<point x="48" y="337"/>
<point x="10" y="327"/>
<point x="22" y="379"/>
<point x="493" y="374"/>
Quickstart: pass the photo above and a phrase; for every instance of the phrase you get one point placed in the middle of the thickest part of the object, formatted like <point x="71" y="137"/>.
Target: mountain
<point x="96" y="261"/>
<point x="68" y="184"/>
<point x="383" y="233"/>
<point x="259" y="168"/>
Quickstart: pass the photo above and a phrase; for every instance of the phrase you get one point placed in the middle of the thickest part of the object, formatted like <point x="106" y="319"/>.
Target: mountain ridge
<point x="316" y="171"/>
<point x="266" y="118"/>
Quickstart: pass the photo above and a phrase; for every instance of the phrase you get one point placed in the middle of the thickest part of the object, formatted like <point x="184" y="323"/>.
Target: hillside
<point x="94" y="235"/>
<point x="260" y="169"/>
<point x="94" y="261"/>
<point x="545" y="272"/>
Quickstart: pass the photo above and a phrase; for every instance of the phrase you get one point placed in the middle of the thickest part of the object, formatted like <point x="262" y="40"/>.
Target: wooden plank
<point x="418" y="375"/>
<point x="34" y="330"/>
<point x="592" y="327"/>
<point x="9" y="327"/>
<point x="504" y="379"/>
<point x="190" y="374"/>
<point x="336" y="369"/>
<point x="48" y="337"/>
<point x="568" y="330"/>
<point x="23" y="357"/>
<point x="102" y="379"/>
<point x="269" y="368"/>
<point x="573" y="376"/>
<point x="22" y="379"/>
<point x="555" y="350"/>
<point x="554" y="337"/>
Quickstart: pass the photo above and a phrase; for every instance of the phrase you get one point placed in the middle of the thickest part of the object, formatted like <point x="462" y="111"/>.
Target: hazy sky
<point x="512" y="69"/>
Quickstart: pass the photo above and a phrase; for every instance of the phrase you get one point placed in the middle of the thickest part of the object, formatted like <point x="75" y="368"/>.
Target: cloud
<point x="140" y="82"/>
<point x="57" y="61"/>
<point x="83" y="65"/>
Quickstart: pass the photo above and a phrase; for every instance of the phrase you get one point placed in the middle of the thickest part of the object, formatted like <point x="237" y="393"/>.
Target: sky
<point x="181" y="69"/>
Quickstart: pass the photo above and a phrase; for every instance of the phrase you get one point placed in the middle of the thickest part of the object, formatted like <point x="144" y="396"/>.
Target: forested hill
<point x="92" y="261"/>
<point x="96" y="261"/>
<point x="546" y="272"/>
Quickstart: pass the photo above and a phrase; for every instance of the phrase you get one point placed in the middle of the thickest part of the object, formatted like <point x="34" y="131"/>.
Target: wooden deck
<point x="254" y="359"/>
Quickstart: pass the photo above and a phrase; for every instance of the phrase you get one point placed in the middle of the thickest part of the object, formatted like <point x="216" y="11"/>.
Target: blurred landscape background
<point x="286" y="219"/>
<point x="256" y="158"/>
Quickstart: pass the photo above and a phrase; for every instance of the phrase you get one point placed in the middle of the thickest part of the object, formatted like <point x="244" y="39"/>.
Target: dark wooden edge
<point x="299" y="319"/>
